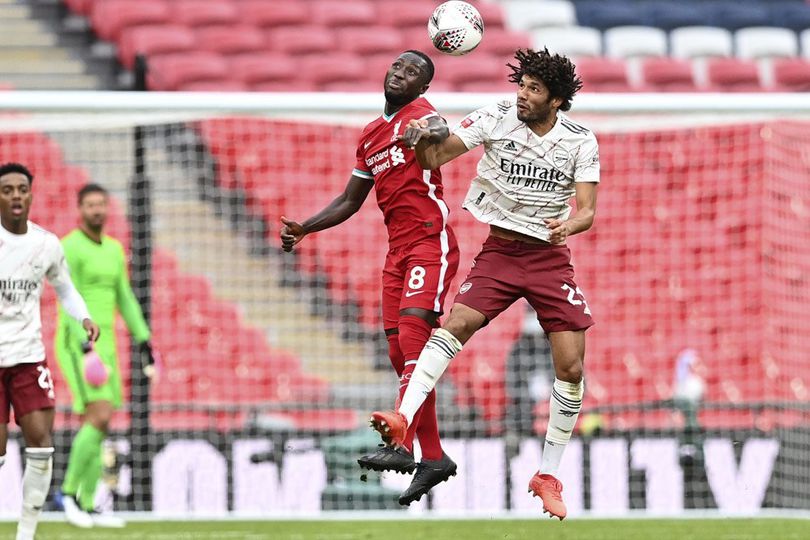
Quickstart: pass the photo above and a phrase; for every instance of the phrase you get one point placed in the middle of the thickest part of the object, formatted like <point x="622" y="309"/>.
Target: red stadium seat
<point x="284" y="86"/>
<point x="668" y="74"/>
<point x="404" y="13"/>
<point x="81" y="7"/>
<point x="370" y="40"/>
<point x="300" y="39"/>
<point x="110" y="17"/>
<point x="352" y="86"/>
<point x="205" y="12"/>
<point x="497" y="85"/>
<point x="792" y="74"/>
<point x="258" y="67"/>
<point x="153" y="40"/>
<point x="504" y="43"/>
<point x="230" y="39"/>
<point x="733" y="75"/>
<point x="169" y="72"/>
<point x="471" y="69"/>
<point x="271" y="14"/>
<point x="603" y="75"/>
<point x="323" y="69"/>
<point x="214" y="85"/>
<point x="337" y="13"/>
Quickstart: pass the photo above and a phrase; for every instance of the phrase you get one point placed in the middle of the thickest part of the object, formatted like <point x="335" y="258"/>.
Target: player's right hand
<point x="415" y="132"/>
<point x="291" y="233"/>
<point x="92" y="329"/>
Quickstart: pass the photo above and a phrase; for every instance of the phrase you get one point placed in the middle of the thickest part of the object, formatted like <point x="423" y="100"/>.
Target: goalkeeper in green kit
<point x="98" y="268"/>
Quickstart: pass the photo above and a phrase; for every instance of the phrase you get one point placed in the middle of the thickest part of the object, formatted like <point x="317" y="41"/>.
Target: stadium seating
<point x="370" y="28"/>
<point x="202" y="338"/>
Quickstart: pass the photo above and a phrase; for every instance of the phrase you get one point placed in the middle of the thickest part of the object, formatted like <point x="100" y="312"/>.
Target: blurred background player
<point x="535" y="160"/>
<point x="422" y="258"/>
<point x="28" y="255"/>
<point x="98" y="266"/>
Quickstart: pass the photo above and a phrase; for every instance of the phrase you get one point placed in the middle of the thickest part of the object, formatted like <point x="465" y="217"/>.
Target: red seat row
<point x="675" y="75"/>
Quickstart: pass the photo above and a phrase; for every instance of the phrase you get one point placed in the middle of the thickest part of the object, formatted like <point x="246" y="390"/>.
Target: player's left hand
<point x="415" y="132"/>
<point x="92" y="329"/>
<point x="153" y="362"/>
<point x="559" y="230"/>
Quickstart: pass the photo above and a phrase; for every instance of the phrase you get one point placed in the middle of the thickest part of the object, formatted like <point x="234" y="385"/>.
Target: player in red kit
<point x="422" y="257"/>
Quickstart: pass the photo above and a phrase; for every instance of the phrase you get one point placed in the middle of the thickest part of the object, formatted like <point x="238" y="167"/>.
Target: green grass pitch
<point x="434" y="529"/>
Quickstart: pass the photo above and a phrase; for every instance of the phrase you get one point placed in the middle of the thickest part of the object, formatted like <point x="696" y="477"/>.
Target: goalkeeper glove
<point x="151" y="359"/>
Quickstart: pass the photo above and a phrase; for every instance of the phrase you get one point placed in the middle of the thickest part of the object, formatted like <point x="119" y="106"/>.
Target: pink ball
<point x="94" y="370"/>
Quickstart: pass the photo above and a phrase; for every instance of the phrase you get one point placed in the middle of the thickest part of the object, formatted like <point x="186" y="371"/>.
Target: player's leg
<point x="5" y="405"/>
<point x="30" y="389"/>
<point x="488" y="290"/>
<point x="391" y="457"/>
<point x="564" y="314"/>
<point x="3" y="443"/>
<point x="96" y="405"/>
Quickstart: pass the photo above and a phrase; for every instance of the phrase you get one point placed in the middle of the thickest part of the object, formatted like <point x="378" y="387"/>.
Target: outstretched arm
<point x="339" y="210"/>
<point x="432" y="142"/>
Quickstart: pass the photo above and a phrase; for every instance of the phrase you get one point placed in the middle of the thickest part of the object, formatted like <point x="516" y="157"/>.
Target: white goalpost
<point x="697" y="272"/>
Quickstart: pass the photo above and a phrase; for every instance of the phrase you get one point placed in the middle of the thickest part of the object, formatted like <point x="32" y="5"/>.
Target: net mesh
<point x="696" y="271"/>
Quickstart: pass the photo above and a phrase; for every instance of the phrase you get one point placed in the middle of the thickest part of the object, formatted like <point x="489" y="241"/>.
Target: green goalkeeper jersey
<point x="100" y="274"/>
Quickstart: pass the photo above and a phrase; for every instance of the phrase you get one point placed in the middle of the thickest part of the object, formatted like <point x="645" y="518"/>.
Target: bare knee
<point x="570" y="372"/>
<point x="99" y="414"/>
<point x="463" y="322"/>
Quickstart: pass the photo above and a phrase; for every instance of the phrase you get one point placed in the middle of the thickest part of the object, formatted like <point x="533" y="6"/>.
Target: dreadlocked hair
<point x="556" y="72"/>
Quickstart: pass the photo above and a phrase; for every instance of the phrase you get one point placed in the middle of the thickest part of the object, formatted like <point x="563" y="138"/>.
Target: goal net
<point x="697" y="271"/>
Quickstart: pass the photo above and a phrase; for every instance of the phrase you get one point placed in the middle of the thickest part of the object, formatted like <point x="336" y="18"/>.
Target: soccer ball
<point x="455" y="28"/>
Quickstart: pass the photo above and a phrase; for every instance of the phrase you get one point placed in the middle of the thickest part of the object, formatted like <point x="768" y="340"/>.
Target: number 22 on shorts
<point x="572" y="292"/>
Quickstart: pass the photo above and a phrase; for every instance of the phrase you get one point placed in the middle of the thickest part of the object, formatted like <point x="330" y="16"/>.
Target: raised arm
<point x="432" y="142"/>
<point x="339" y="210"/>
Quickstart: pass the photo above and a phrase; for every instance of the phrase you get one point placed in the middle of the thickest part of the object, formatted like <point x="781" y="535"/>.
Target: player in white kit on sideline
<point x="28" y="255"/>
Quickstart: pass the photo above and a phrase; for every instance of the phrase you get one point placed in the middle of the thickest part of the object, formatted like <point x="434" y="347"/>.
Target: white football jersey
<point x="25" y="261"/>
<point x="522" y="178"/>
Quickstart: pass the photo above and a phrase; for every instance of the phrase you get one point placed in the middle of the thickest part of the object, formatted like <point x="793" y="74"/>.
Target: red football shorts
<point x="418" y="275"/>
<point x="506" y="270"/>
<point x="26" y="388"/>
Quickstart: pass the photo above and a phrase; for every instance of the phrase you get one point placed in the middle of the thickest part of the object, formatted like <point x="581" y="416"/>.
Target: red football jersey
<point x="409" y="196"/>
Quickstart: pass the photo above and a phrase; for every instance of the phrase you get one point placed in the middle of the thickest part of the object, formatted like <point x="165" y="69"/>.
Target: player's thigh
<point x="111" y="390"/>
<point x="491" y="285"/>
<point x="36" y="427"/>
<point x="392" y="277"/>
<point x="99" y="413"/>
<point x="551" y="290"/>
<point x="5" y="405"/>
<point x="30" y="388"/>
<point x="430" y="266"/>
<point x="71" y="364"/>
<point x="3" y="438"/>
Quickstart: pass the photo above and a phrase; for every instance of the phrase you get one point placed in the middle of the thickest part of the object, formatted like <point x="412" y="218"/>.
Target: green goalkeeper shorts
<point x="70" y="357"/>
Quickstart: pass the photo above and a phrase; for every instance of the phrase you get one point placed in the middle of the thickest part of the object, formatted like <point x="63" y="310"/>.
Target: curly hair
<point x="556" y="72"/>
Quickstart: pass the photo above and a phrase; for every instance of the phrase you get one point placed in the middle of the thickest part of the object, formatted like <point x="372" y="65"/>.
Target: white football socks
<point x="564" y="406"/>
<point x="36" y="483"/>
<point x="439" y="350"/>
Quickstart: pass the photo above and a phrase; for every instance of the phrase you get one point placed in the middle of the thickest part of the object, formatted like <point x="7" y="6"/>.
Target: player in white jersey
<point x="28" y="255"/>
<point x="535" y="160"/>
